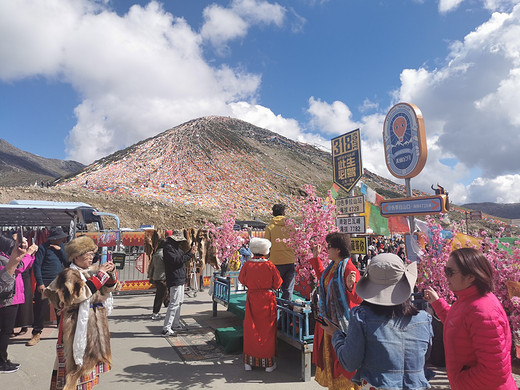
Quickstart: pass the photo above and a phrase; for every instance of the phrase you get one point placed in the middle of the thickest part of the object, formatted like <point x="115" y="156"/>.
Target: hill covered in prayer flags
<point x="213" y="162"/>
<point x="194" y="171"/>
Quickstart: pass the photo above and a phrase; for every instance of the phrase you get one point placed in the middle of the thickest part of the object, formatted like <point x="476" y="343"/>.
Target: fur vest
<point x="66" y="292"/>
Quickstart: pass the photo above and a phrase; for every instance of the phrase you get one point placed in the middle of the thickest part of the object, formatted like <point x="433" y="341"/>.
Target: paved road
<point x="145" y="360"/>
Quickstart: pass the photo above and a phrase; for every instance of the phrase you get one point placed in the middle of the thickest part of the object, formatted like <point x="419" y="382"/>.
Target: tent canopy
<point x="46" y="213"/>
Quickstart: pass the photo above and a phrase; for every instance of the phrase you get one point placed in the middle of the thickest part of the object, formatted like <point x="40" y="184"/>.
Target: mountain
<point x="214" y="162"/>
<point x="22" y="168"/>
<point x="194" y="171"/>
<point x="508" y="210"/>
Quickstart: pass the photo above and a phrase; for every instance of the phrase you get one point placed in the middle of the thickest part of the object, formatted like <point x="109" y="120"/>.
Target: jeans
<point x="173" y="313"/>
<point x="288" y="274"/>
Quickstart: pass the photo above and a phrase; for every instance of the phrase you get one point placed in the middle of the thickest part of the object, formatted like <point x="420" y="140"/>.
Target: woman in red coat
<point x="477" y="337"/>
<point x="336" y="297"/>
<point x="261" y="278"/>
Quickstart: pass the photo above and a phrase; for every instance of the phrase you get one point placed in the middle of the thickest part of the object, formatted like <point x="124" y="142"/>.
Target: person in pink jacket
<point x="477" y="336"/>
<point x="9" y="300"/>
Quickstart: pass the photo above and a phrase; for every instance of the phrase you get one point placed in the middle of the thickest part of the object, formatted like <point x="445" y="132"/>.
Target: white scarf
<point x="80" y="337"/>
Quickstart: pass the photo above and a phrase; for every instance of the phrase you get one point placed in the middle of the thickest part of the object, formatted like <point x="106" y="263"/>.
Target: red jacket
<point x="477" y="341"/>
<point x="353" y="300"/>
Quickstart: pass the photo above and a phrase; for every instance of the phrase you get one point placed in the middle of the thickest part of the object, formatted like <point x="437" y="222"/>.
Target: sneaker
<point x="169" y="333"/>
<point x="247" y="367"/>
<point x="179" y="328"/>
<point x="156" y="316"/>
<point x="13" y="363"/>
<point x="8" y="367"/>
<point x="270" y="369"/>
<point x="35" y="339"/>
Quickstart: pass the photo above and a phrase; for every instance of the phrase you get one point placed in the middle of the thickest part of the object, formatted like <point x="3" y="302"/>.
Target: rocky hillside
<point x="211" y="162"/>
<point x="195" y="171"/>
<point x="22" y="168"/>
<point x="509" y="210"/>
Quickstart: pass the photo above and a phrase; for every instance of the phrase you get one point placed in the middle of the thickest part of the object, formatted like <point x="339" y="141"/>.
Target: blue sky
<point x="81" y="79"/>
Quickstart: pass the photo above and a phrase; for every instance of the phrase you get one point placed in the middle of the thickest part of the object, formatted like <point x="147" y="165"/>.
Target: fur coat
<point x="66" y="292"/>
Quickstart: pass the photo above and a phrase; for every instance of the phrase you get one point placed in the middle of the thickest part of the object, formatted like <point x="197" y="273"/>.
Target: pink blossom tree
<point x="225" y="239"/>
<point x="504" y="259"/>
<point x="317" y="220"/>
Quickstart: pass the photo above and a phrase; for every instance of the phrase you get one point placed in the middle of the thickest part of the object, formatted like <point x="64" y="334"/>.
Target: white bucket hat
<point x="387" y="281"/>
<point x="259" y="246"/>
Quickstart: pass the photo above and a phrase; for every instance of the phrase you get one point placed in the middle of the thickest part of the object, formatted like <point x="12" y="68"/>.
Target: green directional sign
<point x="346" y="159"/>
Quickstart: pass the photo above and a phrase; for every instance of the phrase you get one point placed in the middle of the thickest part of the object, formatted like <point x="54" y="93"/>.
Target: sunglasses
<point x="449" y="272"/>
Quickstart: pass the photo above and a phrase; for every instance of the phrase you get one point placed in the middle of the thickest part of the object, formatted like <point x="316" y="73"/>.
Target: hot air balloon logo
<point x="399" y="127"/>
<point x="405" y="140"/>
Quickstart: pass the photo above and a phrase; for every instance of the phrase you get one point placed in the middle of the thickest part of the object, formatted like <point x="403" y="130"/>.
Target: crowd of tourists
<point x="368" y="332"/>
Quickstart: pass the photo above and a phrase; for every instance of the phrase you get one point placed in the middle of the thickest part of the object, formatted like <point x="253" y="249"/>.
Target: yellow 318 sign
<point x="346" y="159"/>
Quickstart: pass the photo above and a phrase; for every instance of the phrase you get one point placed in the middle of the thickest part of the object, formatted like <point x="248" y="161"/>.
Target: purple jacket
<point x="19" y="296"/>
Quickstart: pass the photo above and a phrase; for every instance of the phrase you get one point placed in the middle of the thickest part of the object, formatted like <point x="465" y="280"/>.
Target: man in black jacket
<point x="175" y="260"/>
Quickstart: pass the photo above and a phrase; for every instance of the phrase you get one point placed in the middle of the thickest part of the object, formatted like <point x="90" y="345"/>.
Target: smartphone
<point x="19" y="236"/>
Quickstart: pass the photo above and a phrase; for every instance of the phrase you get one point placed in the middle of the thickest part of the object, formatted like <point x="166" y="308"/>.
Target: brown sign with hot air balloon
<point x="405" y="140"/>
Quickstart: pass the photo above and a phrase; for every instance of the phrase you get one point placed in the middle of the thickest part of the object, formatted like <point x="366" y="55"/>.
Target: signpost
<point x="346" y="159"/>
<point x="404" y="138"/>
<point x="474" y="215"/>
<point x="358" y="245"/>
<point x="352" y="205"/>
<point x="419" y="205"/>
<point x="351" y="225"/>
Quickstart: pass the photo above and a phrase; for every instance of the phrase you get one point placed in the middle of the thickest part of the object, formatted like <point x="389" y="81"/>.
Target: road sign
<point x="351" y="225"/>
<point x="346" y="159"/>
<point x="351" y="205"/>
<point x="418" y="205"/>
<point x="358" y="245"/>
<point x="475" y="215"/>
<point x="405" y="140"/>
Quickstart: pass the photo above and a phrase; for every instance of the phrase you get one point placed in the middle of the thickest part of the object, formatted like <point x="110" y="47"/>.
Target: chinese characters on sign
<point x="358" y="245"/>
<point x="351" y="225"/>
<point x="346" y="159"/>
<point x="419" y="205"/>
<point x="475" y="215"/>
<point x="352" y="205"/>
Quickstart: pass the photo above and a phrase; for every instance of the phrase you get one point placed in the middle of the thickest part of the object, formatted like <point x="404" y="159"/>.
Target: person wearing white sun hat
<point x="387" y="337"/>
<point x="261" y="278"/>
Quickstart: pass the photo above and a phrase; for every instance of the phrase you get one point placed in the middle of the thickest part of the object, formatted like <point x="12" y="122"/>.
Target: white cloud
<point x="448" y="5"/>
<point x="502" y="189"/>
<point x="137" y="74"/>
<point x="225" y="24"/>
<point x="470" y="104"/>
<point x="263" y="117"/>
<point x="222" y="25"/>
<point x="334" y="119"/>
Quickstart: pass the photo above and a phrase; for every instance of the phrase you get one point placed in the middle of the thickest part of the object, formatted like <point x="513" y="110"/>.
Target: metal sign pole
<point x="411" y="218"/>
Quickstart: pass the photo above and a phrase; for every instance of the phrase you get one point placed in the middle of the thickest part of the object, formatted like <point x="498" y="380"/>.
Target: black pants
<point x="7" y="319"/>
<point x="39" y="309"/>
<point x="160" y="293"/>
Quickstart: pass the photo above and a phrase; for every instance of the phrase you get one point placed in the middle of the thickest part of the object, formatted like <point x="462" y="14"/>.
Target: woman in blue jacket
<point x="387" y="337"/>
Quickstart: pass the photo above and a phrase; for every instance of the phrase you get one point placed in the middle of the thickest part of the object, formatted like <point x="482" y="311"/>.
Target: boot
<point x="35" y="339"/>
